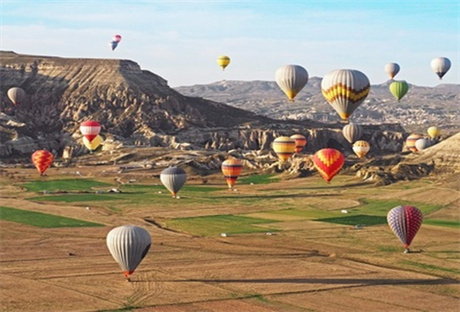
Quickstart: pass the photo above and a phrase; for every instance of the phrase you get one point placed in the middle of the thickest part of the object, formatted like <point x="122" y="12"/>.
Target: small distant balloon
<point x="328" y="162"/>
<point x="434" y="132"/>
<point x="440" y="66"/>
<point x="90" y="129"/>
<point x="352" y="132"/>
<point x="422" y="143"/>
<point x="223" y="61"/>
<point x="284" y="147"/>
<point x="116" y="38"/>
<point x="300" y="142"/>
<point x="113" y="45"/>
<point x="392" y="69"/>
<point x="410" y="142"/>
<point x="361" y="148"/>
<point x="399" y="89"/>
<point x="16" y="95"/>
<point x="231" y="169"/>
<point x="42" y="159"/>
<point x="173" y="178"/>
<point x="291" y="79"/>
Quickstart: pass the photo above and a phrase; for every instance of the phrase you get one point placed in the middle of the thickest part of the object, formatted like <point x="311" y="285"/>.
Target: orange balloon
<point x="42" y="160"/>
<point x="328" y="162"/>
<point x="231" y="168"/>
<point x="300" y="142"/>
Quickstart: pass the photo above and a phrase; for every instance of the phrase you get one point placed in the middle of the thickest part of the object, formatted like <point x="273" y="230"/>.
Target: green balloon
<point x="399" y="89"/>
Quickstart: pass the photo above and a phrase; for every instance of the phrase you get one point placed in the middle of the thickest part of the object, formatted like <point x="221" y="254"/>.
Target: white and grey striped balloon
<point x="173" y="178"/>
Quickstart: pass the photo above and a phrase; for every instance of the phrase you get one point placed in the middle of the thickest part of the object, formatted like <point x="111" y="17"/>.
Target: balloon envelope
<point x="116" y="38"/>
<point x="113" y="45"/>
<point x="300" y="142"/>
<point x="352" y="132"/>
<point x="434" y="132"/>
<point x="16" y="95"/>
<point x="128" y="245"/>
<point x="284" y="147"/>
<point x="231" y="168"/>
<point x="291" y="79"/>
<point x="345" y="90"/>
<point x="94" y="144"/>
<point x="440" y="66"/>
<point x="42" y="159"/>
<point x="392" y="69"/>
<point x="328" y="162"/>
<point x="399" y="89"/>
<point x="422" y="143"/>
<point x="405" y="222"/>
<point x="90" y="129"/>
<point x="173" y="178"/>
<point x="410" y="142"/>
<point x="223" y="61"/>
<point x="361" y="148"/>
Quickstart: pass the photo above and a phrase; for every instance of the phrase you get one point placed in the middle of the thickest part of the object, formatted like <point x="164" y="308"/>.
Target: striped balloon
<point x="300" y="142"/>
<point x="291" y="79"/>
<point x="352" y="132"/>
<point x="90" y="129"/>
<point x="42" y="159"/>
<point x="223" y="61"/>
<point x="361" y="148"/>
<point x="405" y="221"/>
<point x="16" y="95"/>
<point x="128" y="245"/>
<point x="284" y="147"/>
<point x="410" y="142"/>
<point x="399" y="89"/>
<point x="173" y="178"/>
<point x="231" y="168"/>
<point x="328" y="162"/>
<point x="345" y="90"/>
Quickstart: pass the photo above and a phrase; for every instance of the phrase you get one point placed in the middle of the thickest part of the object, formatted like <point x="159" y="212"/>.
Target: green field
<point x="63" y="185"/>
<point x="259" y="179"/>
<point x="39" y="219"/>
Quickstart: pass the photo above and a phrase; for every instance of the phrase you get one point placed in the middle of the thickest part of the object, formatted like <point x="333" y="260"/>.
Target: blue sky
<point x="180" y="40"/>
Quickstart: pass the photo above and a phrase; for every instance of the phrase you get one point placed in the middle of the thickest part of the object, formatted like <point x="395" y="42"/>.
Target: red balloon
<point x="231" y="168"/>
<point x="42" y="160"/>
<point x="90" y="129"/>
<point x="328" y="162"/>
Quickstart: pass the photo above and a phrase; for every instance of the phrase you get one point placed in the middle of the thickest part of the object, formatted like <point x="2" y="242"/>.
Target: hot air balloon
<point x="128" y="245"/>
<point x="291" y="79"/>
<point x="399" y="89"/>
<point x="422" y="143"/>
<point x="361" y="148"/>
<point x="284" y="147"/>
<point x="392" y="69"/>
<point x="223" y="61"/>
<point x="434" y="132"/>
<point x="440" y="66"/>
<point x="300" y="142"/>
<point x="405" y="221"/>
<point x="116" y="38"/>
<point x="42" y="159"/>
<point x="231" y="168"/>
<point x="16" y="95"/>
<point x="352" y="132"/>
<point x="90" y="129"/>
<point x="345" y="90"/>
<point x="410" y="142"/>
<point x="328" y="162"/>
<point x="94" y="144"/>
<point x="113" y="45"/>
<point x="173" y="178"/>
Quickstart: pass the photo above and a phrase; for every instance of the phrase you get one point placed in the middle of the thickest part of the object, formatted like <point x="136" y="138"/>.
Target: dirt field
<point x="305" y="266"/>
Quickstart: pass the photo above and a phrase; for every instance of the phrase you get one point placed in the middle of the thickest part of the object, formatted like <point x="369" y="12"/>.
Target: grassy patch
<point x="259" y="179"/>
<point x="381" y="207"/>
<point x="445" y="223"/>
<point x="429" y="267"/>
<point x="214" y="225"/>
<point x="41" y="219"/>
<point x="388" y="248"/>
<point x="63" y="185"/>
<point x="71" y="198"/>
<point x="357" y="219"/>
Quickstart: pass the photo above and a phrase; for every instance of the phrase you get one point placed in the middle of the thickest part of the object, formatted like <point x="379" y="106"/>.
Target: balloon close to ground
<point x="399" y="89"/>
<point x="434" y="132"/>
<point x="440" y="66"/>
<point x="128" y="245"/>
<point x="16" y="95"/>
<point x="94" y="144"/>
<point x="410" y="142"/>
<point x="42" y="160"/>
<point x="345" y="90"/>
<point x="284" y="147"/>
<point x="223" y="61"/>
<point x="173" y="178"/>
<point x="405" y="221"/>
<point x="291" y="79"/>
<point x="231" y="169"/>
<point x="361" y="148"/>
<point x="392" y="69"/>
<point x="422" y="144"/>
<point x="90" y="129"/>
<point x="328" y="162"/>
<point x="300" y="142"/>
<point x="352" y="132"/>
